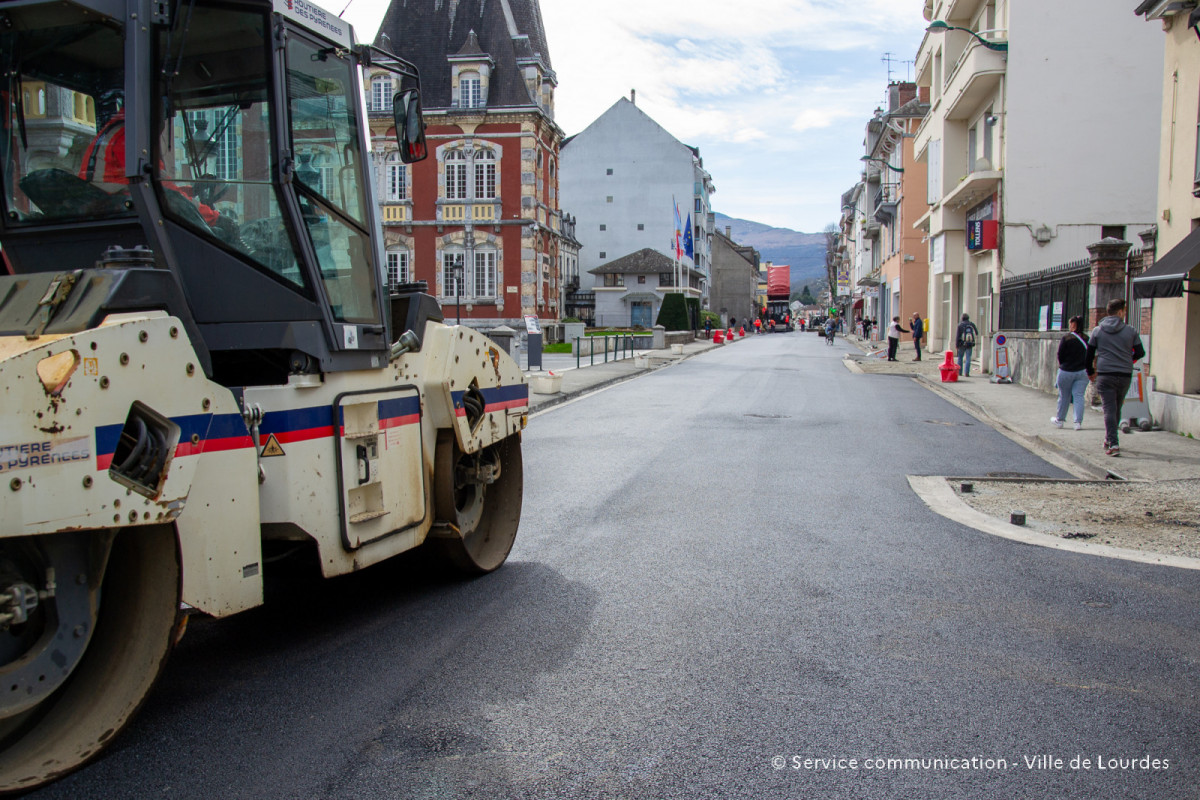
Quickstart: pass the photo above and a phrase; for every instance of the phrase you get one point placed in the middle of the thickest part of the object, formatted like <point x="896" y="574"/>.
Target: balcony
<point x="886" y="203"/>
<point x="973" y="188"/>
<point x="974" y="80"/>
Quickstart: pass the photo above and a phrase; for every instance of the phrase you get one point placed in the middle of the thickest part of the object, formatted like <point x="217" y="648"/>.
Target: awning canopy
<point x="641" y="297"/>
<point x="1166" y="277"/>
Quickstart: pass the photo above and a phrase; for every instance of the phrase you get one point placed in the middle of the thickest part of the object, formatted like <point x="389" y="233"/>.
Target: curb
<point x="1030" y="441"/>
<point x="935" y="492"/>
<point x="566" y="397"/>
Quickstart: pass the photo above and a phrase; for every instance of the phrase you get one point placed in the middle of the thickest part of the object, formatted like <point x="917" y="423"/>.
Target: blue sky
<point x="775" y="93"/>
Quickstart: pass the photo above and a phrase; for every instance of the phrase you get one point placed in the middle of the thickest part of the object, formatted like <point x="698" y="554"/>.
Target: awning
<point x="1166" y="277"/>
<point x="858" y="303"/>
<point x="641" y="297"/>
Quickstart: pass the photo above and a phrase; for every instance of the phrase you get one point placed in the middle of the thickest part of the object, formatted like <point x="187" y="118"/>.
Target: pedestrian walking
<point x="1072" y="377"/>
<point x="918" y="332"/>
<point x="894" y="331"/>
<point x="964" y="342"/>
<point x="1112" y="349"/>
<point x="707" y="328"/>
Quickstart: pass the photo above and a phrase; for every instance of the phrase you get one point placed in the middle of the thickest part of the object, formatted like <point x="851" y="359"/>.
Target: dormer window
<point x="470" y="90"/>
<point x="381" y="93"/>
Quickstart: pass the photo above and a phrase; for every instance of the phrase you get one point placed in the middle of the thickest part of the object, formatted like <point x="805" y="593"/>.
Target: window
<point x="452" y="267"/>
<point x="381" y="93"/>
<point x="485" y="174"/>
<point x="603" y="254"/>
<point x="1196" y="178"/>
<point x="603" y="227"/>
<point x="218" y="129"/>
<point x="666" y="279"/>
<point x="972" y="149"/>
<point x="641" y="226"/>
<point x="614" y="280"/>
<point x="699" y="205"/>
<point x="397" y="268"/>
<point x="485" y="273"/>
<point x="1112" y="232"/>
<point x="456" y="175"/>
<point x="608" y="199"/>
<point x="470" y="90"/>
<point x="641" y="278"/>
<point x="395" y="178"/>
<point x="609" y="171"/>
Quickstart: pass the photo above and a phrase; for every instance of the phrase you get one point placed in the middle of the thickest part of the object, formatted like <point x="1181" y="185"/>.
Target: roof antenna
<point x="344" y="9"/>
<point x="632" y="92"/>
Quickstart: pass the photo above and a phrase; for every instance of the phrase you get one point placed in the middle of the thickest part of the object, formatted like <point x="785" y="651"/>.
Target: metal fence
<point x="1027" y="300"/>
<point x="620" y="346"/>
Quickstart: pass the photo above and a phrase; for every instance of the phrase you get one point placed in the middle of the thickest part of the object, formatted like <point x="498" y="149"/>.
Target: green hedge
<point x="673" y="315"/>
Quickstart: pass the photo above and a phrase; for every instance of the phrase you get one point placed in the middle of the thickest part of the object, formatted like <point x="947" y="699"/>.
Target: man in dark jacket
<point x="1112" y="349"/>
<point x="964" y="341"/>
<point x="918" y="333"/>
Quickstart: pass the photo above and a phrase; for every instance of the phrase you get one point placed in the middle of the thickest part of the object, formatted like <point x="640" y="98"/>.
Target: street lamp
<point x="882" y="161"/>
<point x="938" y="26"/>
<point x="459" y="268"/>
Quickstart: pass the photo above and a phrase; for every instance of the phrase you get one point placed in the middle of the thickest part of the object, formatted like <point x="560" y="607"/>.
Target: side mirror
<point x="410" y="126"/>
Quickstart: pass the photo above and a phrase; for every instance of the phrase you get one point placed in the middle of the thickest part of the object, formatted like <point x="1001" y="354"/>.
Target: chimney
<point x="633" y="96"/>
<point x="729" y="232"/>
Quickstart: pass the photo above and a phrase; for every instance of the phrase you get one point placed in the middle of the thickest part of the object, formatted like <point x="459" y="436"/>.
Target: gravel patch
<point x="1159" y="517"/>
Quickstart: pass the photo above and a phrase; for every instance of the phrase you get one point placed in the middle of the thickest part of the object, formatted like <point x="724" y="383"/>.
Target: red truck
<point x="779" y="291"/>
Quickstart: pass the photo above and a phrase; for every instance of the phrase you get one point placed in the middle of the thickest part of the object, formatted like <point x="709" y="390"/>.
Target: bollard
<point x="718" y="337"/>
<point x="949" y="368"/>
<point x="741" y="332"/>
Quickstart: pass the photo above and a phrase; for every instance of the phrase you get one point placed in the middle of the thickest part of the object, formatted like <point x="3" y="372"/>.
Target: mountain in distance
<point x="803" y="252"/>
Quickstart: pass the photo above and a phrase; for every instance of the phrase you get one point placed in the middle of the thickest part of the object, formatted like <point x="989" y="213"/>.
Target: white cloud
<point x="775" y="93"/>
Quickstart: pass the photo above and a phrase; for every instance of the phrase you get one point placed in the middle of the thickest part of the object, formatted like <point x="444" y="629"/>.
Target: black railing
<point x="1022" y="298"/>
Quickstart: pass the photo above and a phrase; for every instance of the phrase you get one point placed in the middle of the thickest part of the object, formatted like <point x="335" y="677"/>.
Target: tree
<point x="806" y="297"/>
<point x="831" y="254"/>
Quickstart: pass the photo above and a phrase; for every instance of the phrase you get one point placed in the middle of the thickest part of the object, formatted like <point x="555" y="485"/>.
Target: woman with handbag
<point x="1072" y="377"/>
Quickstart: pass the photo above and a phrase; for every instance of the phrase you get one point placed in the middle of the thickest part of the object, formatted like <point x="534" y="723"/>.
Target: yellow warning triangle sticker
<point x="272" y="448"/>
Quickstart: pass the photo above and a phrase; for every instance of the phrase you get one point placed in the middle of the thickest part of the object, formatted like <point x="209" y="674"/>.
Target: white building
<point x="1041" y="129"/>
<point x="622" y="177"/>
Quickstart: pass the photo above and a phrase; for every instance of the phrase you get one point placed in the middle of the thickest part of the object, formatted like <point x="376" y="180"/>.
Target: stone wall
<point x="1033" y="358"/>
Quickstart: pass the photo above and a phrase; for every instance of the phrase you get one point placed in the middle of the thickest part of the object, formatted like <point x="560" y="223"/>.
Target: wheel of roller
<point x="480" y="495"/>
<point x="77" y="668"/>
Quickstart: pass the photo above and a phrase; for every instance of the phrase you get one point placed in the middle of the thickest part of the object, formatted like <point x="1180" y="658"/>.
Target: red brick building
<point x="478" y="220"/>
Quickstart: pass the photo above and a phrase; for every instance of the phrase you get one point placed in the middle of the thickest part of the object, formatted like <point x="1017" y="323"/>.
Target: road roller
<point x="203" y="367"/>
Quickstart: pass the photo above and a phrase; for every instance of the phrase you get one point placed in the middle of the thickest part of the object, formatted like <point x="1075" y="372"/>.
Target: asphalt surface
<point x="721" y="572"/>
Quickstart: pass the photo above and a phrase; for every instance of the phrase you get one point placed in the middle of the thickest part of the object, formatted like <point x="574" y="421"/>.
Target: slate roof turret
<point x="427" y="32"/>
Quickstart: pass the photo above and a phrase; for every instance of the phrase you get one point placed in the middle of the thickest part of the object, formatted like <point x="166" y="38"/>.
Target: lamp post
<point x="459" y="268"/>
<point x="938" y="26"/>
<point x="883" y="162"/>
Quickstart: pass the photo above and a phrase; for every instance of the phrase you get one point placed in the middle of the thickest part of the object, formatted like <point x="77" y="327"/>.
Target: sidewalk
<point x="1020" y="412"/>
<point x="588" y="377"/>
<point x="1024" y="414"/>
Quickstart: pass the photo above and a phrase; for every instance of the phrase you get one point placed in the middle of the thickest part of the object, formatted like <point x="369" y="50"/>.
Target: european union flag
<point x="687" y="239"/>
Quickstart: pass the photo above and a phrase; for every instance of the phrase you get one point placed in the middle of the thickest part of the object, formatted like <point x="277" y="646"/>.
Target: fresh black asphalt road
<point x="721" y="573"/>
